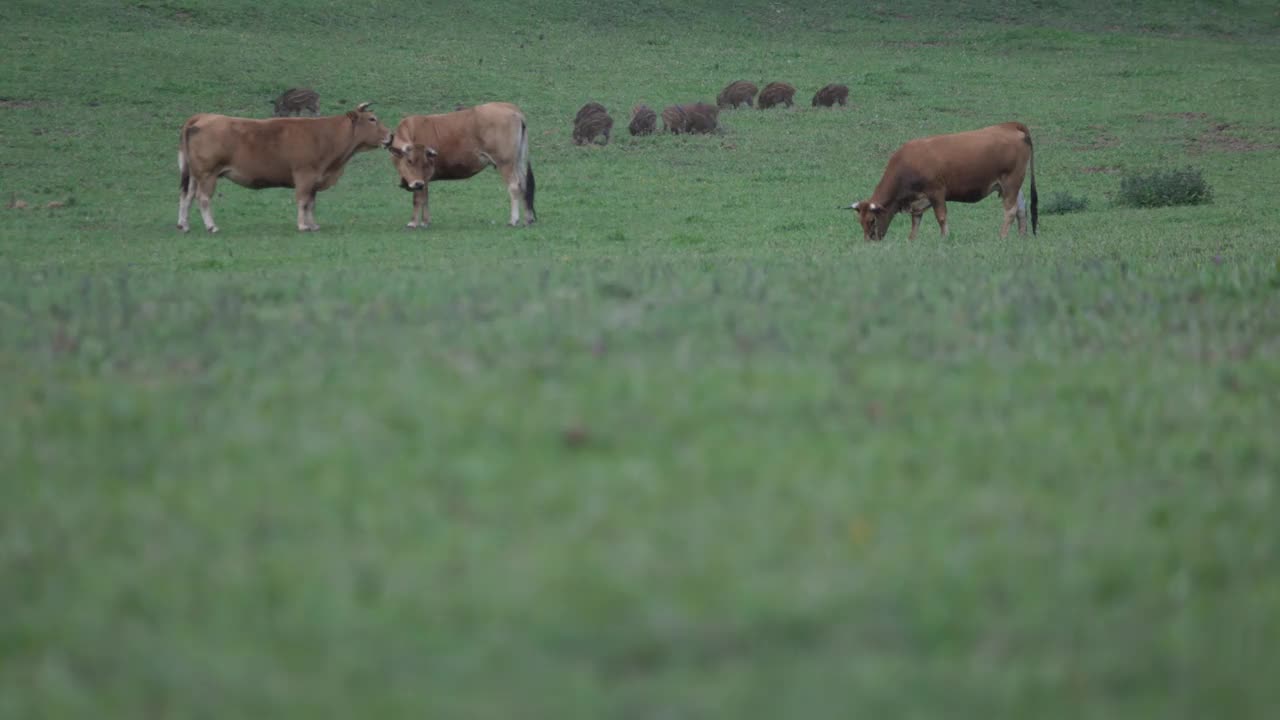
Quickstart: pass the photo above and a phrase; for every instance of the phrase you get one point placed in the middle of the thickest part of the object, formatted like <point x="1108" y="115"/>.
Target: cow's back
<point x="261" y="152"/>
<point x="463" y="139"/>
<point x="965" y="160"/>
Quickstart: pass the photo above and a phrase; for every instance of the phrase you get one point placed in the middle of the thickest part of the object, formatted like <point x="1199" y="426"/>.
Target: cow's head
<point x="369" y="132"/>
<point x="415" y="163"/>
<point x="874" y="218"/>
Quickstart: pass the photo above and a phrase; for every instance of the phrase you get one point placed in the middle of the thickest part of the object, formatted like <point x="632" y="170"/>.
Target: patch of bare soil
<point x="16" y="103"/>
<point x="1101" y="140"/>
<point x="1152" y="117"/>
<point x="1218" y="138"/>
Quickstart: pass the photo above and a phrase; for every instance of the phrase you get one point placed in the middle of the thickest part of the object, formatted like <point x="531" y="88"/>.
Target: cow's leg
<point x="300" y="196"/>
<point x="204" y="195"/>
<point x="421" y="213"/>
<point x="311" y="210"/>
<point x="513" y="189"/>
<point x="1010" y="202"/>
<point x="304" y="194"/>
<point x="915" y="223"/>
<point x="1022" y="214"/>
<point x="940" y="212"/>
<point x="184" y="205"/>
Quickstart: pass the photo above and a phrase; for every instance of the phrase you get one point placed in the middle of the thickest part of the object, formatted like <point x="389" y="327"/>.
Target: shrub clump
<point x="1185" y="186"/>
<point x="1064" y="202"/>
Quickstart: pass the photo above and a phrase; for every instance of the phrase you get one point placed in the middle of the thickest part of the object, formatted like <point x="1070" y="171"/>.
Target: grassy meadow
<point x="686" y="448"/>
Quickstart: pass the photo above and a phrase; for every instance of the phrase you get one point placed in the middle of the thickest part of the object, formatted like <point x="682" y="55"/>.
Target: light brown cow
<point x="458" y="145"/>
<point x="964" y="167"/>
<point x="306" y="154"/>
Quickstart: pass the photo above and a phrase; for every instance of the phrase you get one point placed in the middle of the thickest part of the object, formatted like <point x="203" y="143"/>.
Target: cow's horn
<point x="873" y="207"/>
<point x="432" y="152"/>
<point x="363" y="106"/>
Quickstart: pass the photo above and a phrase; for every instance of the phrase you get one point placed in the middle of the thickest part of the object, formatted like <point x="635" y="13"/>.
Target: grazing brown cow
<point x="592" y="121"/>
<point x="673" y="119"/>
<point x="964" y="167"/>
<point x="294" y="100"/>
<point x="700" y="118"/>
<point x="458" y="145"/>
<point x="643" y="120"/>
<point x="306" y="154"/>
<point x="737" y="93"/>
<point x="831" y="95"/>
<point x="776" y="93"/>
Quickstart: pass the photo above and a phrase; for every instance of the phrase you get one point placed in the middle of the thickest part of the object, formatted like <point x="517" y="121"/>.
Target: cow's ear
<point x="395" y="151"/>
<point x="857" y="207"/>
<point x="352" y="116"/>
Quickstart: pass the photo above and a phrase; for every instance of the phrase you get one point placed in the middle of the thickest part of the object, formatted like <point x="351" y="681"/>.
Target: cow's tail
<point x="184" y="172"/>
<point x="1035" y="199"/>
<point x="524" y="171"/>
<point x="1031" y="170"/>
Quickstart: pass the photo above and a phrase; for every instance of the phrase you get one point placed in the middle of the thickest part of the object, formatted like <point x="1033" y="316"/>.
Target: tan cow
<point x="964" y="167"/>
<point x="306" y="154"/>
<point x="458" y="145"/>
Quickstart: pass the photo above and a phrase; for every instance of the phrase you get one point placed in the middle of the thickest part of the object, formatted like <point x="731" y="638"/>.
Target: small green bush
<point x="1063" y="202"/>
<point x="1185" y="186"/>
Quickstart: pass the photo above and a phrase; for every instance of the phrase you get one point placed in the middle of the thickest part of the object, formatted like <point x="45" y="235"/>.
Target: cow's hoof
<point x="184" y="228"/>
<point x="212" y="229"/>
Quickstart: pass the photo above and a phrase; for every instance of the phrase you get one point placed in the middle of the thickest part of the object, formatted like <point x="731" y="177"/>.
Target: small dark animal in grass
<point x="673" y="119"/>
<point x="737" y="93"/>
<point x="700" y="118"/>
<point x="831" y="95"/>
<point x="294" y="100"/>
<point x="588" y="109"/>
<point x="591" y="125"/>
<point x="643" y="120"/>
<point x="776" y="93"/>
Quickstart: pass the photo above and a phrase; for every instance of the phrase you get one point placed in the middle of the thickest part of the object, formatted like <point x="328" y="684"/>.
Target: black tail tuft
<point x="529" y="187"/>
<point x="1035" y="207"/>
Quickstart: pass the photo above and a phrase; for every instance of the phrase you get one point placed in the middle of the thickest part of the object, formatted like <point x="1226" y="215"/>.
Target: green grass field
<point x="688" y="447"/>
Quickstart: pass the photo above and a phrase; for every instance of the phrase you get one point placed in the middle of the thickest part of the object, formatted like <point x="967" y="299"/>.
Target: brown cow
<point x="643" y="120"/>
<point x="458" y="145"/>
<point x="737" y="93"/>
<point x="306" y="154"/>
<point x="964" y="167"/>
<point x="776" y="93"/>
<point x="831" y="95"/>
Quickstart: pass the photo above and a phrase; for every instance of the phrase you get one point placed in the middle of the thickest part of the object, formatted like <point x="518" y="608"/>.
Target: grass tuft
<point x="1061" y="203"/>
<point x="1163" y="188"/>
